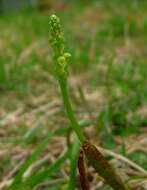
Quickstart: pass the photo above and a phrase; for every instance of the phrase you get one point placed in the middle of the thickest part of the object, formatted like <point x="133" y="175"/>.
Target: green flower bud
<point x="56" y="35"/>
<point x="54" y="23"/>
<point x="62" y="65"/>
<point x="67" y="55"/>
<point x="57" y="42"/>
<point x="62" y="61"/>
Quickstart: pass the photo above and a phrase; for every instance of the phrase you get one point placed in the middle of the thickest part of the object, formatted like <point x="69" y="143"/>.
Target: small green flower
<point x="62" y="65"/>
<point x="67" y="55"/>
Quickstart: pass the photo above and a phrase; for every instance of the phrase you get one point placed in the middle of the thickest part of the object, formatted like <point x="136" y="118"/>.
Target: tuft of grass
<point x="18" y="179"/>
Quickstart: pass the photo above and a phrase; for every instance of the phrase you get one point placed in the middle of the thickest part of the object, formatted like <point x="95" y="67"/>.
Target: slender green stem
<point x="67" y="103"/>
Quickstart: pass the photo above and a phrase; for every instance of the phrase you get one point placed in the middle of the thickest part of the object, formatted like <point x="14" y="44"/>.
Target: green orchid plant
<point x="94" y="156"/>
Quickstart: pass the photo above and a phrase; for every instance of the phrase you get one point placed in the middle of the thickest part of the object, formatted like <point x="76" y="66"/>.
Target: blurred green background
<point x="108" y="43"/>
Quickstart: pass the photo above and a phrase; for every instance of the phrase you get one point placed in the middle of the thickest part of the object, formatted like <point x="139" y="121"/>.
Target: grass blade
<point x="32" y="158"/>
<point x="42" y="176"/>
<point x="73" y="163"/>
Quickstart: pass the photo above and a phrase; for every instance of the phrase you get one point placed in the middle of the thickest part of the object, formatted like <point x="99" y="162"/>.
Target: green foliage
<point x="18" y="181"/>
<point x="41" y="176"/>
<point x="109" y="47"/>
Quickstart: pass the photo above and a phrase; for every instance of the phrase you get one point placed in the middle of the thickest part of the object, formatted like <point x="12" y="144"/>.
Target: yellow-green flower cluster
<point x="62" y="64"/>
<point x="57" y="42"/>
<point x="56" y="35"/>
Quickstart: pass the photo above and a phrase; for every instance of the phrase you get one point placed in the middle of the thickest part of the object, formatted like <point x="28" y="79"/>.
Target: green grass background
<point x="107" y="40"/>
